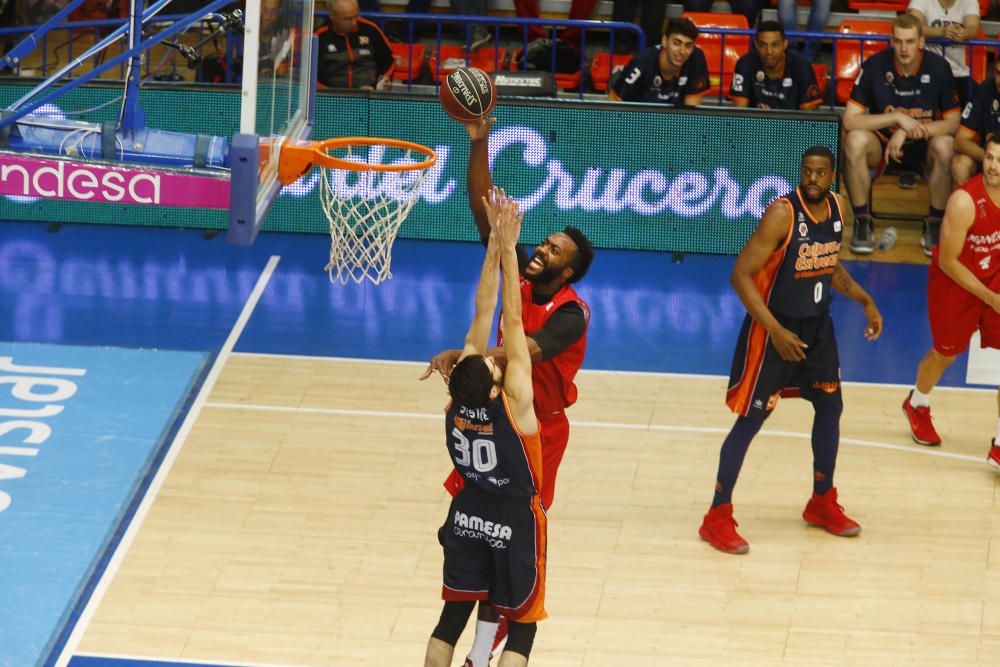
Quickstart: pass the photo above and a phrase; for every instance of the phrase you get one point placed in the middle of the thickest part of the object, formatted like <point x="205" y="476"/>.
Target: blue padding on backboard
<point x="99" y="416"/>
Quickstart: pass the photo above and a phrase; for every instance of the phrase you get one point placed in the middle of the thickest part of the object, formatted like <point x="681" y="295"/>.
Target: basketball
<point x="468" y="94"/>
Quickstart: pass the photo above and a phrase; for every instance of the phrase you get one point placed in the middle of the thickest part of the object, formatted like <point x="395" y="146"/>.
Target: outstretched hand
<point x="479" y="129"/>
<point x="442" y="362"/>
<point x="504" y="216"/>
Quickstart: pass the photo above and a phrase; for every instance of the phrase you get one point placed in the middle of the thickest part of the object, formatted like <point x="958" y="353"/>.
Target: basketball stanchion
<point x="368" y="187"/>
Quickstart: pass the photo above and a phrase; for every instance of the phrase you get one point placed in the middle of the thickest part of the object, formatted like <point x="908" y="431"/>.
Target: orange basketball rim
<point x="297" y="158"/>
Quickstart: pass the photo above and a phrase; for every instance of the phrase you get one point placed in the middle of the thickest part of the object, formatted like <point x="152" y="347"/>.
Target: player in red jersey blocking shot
<point x="963" y="290"/>
<point x="555" y="320"/>
<point x="787" y="345"/>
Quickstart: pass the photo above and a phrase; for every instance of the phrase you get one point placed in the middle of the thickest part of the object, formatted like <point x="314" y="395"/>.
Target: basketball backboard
<point x="277" y="105"/>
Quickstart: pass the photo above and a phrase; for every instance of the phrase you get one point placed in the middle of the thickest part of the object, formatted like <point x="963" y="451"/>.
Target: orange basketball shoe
<point x="823" y="511"/>
<point x="719" y="530"/>
<point x="921" y="427"/>
<point x="994" y="457"/>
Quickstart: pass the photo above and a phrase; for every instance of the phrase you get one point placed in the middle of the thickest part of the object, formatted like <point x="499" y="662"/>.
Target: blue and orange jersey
<point x="796" y="278"/>
<point x="490" y="452"/>
<point x="926" y="95"/>
<point x="981" y="116"/>
<point x="642" y="80"/>
<point x="796" y="88"/>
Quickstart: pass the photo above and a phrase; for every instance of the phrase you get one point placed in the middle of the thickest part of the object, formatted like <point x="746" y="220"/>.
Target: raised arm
<point x="478" y="178"/>
<point x="517" y="375"/>
<point x="477" y="338"/>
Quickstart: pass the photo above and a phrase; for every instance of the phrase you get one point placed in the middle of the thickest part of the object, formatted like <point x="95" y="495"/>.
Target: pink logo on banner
<point x="26" y="176"/>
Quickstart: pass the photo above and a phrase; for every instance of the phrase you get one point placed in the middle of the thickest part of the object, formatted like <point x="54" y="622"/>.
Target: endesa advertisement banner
<point x="630" y="176"/>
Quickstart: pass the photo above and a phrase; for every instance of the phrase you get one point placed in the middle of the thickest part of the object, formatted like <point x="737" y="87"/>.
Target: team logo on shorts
<point x="828" y="387"/>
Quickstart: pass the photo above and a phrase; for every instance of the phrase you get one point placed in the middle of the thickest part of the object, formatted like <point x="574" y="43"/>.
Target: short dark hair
<point x="681" y="25"/>
<point x="821" y="151"/>
<point x="471" y="382"/>
<point x="584" y="253"/>
<point x="991" y="138"/>
<point x="770" y="26"/>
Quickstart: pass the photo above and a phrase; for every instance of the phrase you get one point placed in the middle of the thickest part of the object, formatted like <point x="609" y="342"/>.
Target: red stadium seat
<point x="564" y="80"/>
<point x="848" y="52"/>
<point x="401" y="54"/>
<point x="604" y="66"/>
<point x="884" y="6"/>
<point x="487" y="59"/>
<point x="720" y="63"/>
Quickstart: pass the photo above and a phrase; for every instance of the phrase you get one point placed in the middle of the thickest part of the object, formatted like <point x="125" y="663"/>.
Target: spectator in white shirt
<point x="957" y="20"/>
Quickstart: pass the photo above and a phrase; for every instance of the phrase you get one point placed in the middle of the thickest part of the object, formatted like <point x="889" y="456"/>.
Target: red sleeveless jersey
<point x="552" y="379"/>
<point x="981" y="252"/>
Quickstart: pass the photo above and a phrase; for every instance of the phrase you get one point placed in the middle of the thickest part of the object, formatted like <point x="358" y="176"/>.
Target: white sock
<point x="919" y="400"/>
<point x="483" y="643"/>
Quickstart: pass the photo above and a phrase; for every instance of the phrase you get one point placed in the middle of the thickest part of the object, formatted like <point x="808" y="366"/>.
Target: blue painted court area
<point x="174" y="289"/>
<point x="79" y="430"/>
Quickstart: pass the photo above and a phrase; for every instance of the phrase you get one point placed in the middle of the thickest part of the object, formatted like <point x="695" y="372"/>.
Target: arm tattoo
<point x="842" y="280"/>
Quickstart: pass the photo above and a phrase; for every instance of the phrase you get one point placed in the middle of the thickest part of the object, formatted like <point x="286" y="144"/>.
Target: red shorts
<point x="955" y="314"/>
<point x="555" y="436"/>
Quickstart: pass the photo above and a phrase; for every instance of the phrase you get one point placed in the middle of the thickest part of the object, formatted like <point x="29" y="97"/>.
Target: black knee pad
<point x="454" y="616"/>
<point x="520" y="637"/>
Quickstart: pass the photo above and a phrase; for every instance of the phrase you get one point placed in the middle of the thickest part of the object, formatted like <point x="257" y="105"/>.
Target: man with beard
<point x="555" y="320"/>
<point x="903" y="108"/>
<point x="674" y="72"/>
<point x="787" y="346"/>
<point x="963" y="290"/>
<point x="771" y="77"/>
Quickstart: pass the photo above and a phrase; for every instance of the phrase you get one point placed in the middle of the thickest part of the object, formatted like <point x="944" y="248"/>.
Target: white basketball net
<point x="365" y="210"/>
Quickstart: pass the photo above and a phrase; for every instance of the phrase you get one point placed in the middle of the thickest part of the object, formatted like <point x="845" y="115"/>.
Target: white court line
<point x="181" y="661"/>
<point x="621" y="426"/>
<point x="168" y="460"/>
<point x="699" y="376"/>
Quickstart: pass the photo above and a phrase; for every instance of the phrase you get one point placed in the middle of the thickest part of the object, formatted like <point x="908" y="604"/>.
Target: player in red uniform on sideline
<point x="963" y="290"/>
<point x="494" y="538"/>
<point x="555" y="321"/>
<point x="787" y="344"/>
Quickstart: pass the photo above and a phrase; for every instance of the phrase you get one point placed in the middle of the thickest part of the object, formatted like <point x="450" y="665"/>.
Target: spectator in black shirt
<point x="980" y="119"/>
<point x="903" y="107"/>
<point x="353" y="52"/>
<point x="771" y="76"/>
<point x="674" y="72"/>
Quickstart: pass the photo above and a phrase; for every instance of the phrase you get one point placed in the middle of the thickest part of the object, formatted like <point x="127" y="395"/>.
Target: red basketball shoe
<point x="921" y="426"/>
<point x="994" y="457"/>
<point x="719" y="530"/>
<point x="823" y="511"/>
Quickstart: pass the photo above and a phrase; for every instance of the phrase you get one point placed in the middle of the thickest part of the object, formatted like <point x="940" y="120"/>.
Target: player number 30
<point x="481" y="453"/>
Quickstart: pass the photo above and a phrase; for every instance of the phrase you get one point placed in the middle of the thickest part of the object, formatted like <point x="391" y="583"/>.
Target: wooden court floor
<point x="297" y="526"/>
